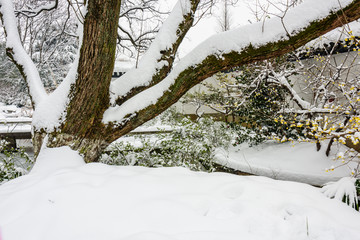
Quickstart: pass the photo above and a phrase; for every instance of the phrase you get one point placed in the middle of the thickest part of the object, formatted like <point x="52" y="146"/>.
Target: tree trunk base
<point x="89" y="149"/>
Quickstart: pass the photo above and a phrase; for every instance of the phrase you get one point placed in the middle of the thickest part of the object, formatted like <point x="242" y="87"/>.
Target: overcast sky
<point x="240" y="14"/>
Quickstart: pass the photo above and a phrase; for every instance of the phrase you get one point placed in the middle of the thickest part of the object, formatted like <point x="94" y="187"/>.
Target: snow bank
<point x="298" y="162"/>
<point x="65" y="199"/>
<point x="52" y="159"/>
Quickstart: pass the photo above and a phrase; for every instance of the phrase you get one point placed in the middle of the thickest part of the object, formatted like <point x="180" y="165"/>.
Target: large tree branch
<point x="18" y="55"/>
<point x="227" y="50"/>
<point x="158" y="60"/>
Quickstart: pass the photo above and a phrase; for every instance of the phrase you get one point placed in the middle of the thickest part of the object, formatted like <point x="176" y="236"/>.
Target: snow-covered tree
<point x="88" y="111"/>
<point x="315" y="99"/>
<point x="225" y="18"/>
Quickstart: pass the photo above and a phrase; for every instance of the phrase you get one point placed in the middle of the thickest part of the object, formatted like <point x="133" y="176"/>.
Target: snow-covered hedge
<point x="13" y="163"/>
<point x="190" y="144"/>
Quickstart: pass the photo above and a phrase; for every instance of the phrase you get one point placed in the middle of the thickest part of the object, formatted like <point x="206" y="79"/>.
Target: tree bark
<point x="89" y="96"/>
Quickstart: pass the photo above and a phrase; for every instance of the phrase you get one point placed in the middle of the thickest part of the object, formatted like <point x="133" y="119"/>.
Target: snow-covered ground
<point x="298" y="162"/>
<point x="11" y="111"/>
<point x="63" y="198"/>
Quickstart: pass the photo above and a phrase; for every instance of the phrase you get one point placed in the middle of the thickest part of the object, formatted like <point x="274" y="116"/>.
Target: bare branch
<point x="36" y="11"/>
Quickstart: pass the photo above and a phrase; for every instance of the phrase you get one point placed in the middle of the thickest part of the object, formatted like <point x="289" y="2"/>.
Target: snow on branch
<point x="18" y="55"/>
<point x="226" y="50"/>
<point x="281" y="80"/>
<point x="158" y="60"/>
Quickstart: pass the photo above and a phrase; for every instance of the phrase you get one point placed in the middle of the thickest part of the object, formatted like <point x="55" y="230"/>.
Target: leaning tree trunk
<point x="89" y="96"/>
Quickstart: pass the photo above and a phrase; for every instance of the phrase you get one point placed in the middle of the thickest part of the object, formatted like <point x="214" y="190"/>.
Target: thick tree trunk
<point x="89" y="97"/>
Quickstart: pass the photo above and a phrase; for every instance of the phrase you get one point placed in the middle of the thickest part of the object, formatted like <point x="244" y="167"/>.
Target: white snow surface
<point x="341" y="188"/>
<point x="52" y="159"/>
<point x="63" y="198"/>
<point x="234" y="40"/>
<point x="13" y="113"/>
<point x="298" y="162"/>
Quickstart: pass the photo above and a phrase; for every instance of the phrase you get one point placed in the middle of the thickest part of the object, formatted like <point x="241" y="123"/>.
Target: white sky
<point x="239" y="15"/>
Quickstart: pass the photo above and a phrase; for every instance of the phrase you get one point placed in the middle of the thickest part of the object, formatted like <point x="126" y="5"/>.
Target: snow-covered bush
<point x="190" y="144"/>
<point x="13" y="163"/>
<point x="254" y="102"/>
<point x="346" y="190"/>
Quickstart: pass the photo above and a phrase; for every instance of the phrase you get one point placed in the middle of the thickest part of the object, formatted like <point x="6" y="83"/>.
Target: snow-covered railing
<point x="15" y="121"/>
<point x="12" y="129"/>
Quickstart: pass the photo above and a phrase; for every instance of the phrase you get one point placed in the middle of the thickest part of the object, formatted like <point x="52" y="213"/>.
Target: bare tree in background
<point x="225" y="19"/>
